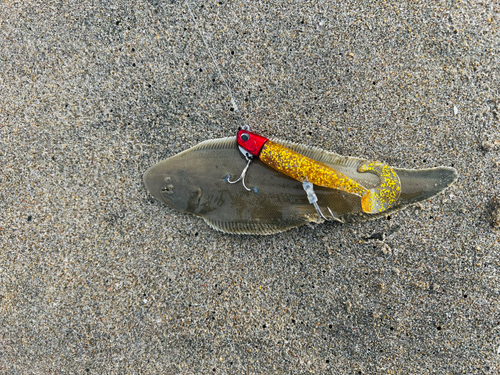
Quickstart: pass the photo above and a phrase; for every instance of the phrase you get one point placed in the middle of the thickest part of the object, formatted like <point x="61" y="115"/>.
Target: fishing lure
<point x="311" y="172"/>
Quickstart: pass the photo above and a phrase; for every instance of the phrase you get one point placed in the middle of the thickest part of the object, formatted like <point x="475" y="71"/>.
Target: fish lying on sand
<point x="196" y="181"/>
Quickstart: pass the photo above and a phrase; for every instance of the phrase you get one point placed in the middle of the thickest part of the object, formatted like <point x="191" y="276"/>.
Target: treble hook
<point x="313" y="199"/>
<point x="249" y="159"/>
<point x="243" y="174"/>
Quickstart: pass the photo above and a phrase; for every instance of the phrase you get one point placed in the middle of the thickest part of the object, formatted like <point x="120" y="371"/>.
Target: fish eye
<point x="245" y="137"/>
<point x="169" y="189"/>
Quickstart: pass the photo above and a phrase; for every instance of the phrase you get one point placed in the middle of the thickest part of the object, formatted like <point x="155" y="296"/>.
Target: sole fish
<point x="195" y="182"/>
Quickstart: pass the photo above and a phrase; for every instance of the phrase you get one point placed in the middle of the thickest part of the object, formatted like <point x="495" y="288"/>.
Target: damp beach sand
<point x="98" y="277"/>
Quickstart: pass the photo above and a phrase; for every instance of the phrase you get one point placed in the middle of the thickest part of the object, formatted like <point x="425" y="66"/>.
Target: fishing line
<point x="233" y="101"/>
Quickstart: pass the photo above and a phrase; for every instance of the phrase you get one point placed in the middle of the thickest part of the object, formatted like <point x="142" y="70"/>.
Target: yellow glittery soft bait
<point x="307" y="170"/>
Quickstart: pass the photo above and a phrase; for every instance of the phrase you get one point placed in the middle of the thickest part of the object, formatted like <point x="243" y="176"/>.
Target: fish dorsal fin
<point x="255" y="228"/>
<point x="226" y="143"/>
<point x="216" y="144"/>
<point x="315" y="153"/>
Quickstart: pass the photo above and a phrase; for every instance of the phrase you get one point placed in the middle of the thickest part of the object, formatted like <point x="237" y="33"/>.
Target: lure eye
<point x="245" y="137"/>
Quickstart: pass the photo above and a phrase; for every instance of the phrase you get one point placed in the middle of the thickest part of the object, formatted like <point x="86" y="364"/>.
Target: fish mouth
<point x="154" y="181"/>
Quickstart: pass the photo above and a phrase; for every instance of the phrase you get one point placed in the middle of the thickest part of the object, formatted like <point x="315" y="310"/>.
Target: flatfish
<point x="195" y="181"/>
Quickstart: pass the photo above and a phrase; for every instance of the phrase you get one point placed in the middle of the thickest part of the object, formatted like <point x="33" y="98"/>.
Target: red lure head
<point x="251" y="142"/>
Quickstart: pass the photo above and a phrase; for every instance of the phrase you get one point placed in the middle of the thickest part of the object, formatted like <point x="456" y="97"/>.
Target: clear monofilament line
<point x="233" y="101"/>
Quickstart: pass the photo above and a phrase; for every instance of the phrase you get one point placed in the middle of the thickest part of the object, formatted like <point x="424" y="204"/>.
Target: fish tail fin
<point x="422" y="184"/>
<point x="385" y="196"/>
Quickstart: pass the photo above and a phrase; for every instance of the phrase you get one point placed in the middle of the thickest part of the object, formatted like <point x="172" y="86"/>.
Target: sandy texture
<point x="96" y="277"/>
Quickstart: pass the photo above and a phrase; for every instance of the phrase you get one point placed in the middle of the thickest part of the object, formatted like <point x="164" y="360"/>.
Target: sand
<point x="97" y="277"/>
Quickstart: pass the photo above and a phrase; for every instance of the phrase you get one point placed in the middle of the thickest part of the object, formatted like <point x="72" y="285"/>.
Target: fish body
<point x="195" y="182"/>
